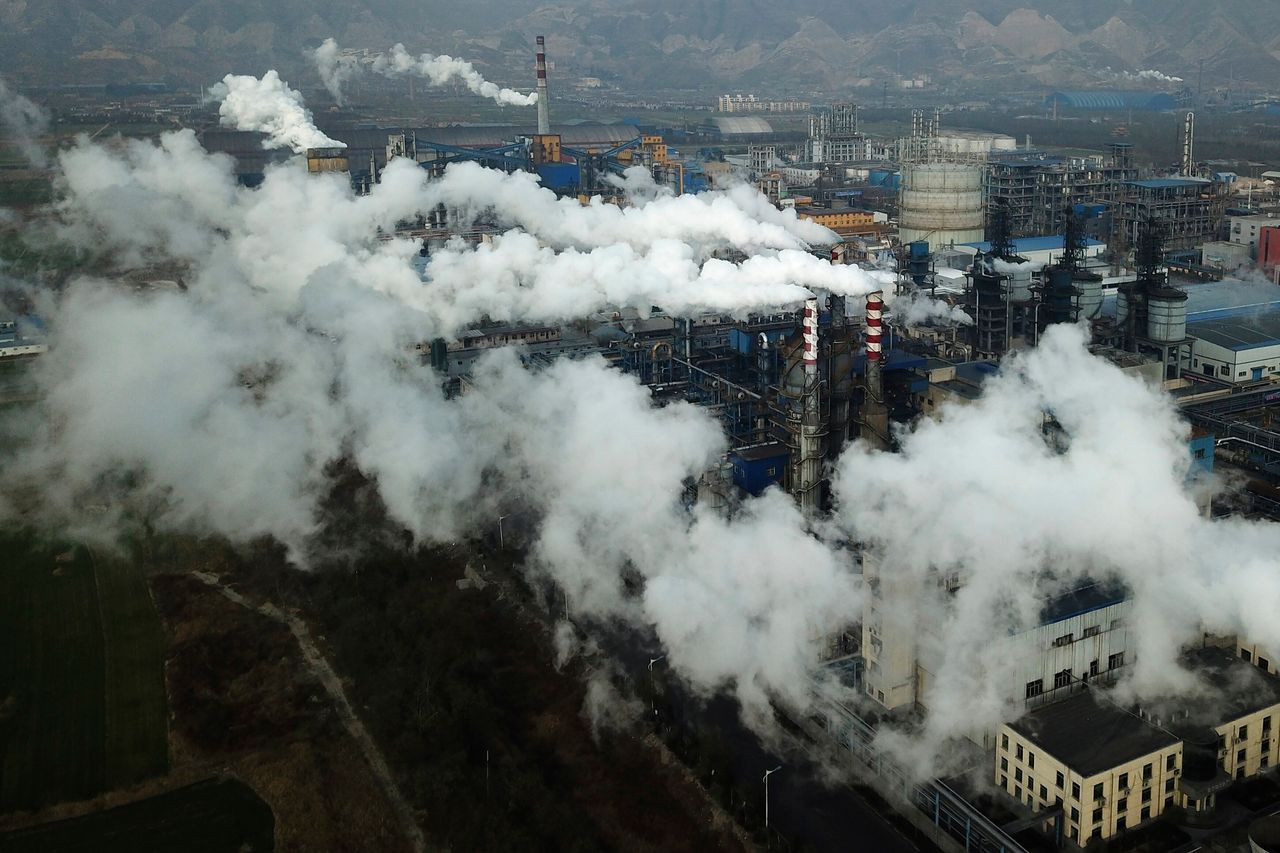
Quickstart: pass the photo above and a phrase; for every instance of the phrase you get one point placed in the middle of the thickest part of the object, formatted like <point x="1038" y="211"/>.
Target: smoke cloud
<point x="1104" y="499"/>
<point x="334" y="67"/>
<point x="269" y="106"/>
<point x="24" y="123"/>
<point x="440" y="70"/>
<point x="293" y="345"/>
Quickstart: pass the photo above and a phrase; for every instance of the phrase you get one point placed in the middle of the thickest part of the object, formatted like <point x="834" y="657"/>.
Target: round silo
<point x="1020" y="283"/>
<point x="941" y="203"/>
<point x="1167" y="315"/>
<point x="1122" y="305"/>
<point x="1089" y="298"/>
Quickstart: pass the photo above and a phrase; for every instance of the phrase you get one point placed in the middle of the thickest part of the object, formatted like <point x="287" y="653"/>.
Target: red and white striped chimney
<point x="809" y="329"/>
<point x="544" y="108"/>
<point x="875" y="310"/>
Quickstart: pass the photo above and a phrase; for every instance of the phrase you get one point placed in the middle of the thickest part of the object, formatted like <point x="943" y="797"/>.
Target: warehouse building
<point x="1237" y="349"/>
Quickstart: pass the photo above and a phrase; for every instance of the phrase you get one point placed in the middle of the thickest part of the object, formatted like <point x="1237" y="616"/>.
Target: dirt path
<point x="332" y="684"/>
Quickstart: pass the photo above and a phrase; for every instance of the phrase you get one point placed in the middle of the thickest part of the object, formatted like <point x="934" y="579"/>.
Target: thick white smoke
<point x="1018" y="511"/>
<point x="292" y="347"/>
<point x="24" y="123"/>
<point x="335" y="68"/>
<point x="269" y="106"/>
<point x="440" y="70"/>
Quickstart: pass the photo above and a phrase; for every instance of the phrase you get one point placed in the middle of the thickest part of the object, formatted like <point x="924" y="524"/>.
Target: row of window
<point x="1091" y="631"/>
<point x="1262" y="662"/>
<point x="1065" y="677"/>
<point x="1122" y="781"/>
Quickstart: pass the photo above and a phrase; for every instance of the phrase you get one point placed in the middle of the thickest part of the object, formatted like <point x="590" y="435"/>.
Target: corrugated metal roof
<point x="742" y="124"/>
<point x="1034" y="244"/>
<point x="1112" y="100"/>
<point x="1242" y="333"/>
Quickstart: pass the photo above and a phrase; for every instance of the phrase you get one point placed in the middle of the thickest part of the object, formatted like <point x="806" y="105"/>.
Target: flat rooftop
<point x="1048" y="243"/>
<point x="1238" y="688"/>
<point x="1090" y="735"/>
<point x="1083" y="599"/>
<point x="1239" y="333"/>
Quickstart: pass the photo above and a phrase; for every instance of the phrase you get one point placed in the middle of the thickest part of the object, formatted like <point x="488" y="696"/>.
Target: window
<point x="1097" y="791"/>
<point x="1265" y="761"/>
<point x="1031" y="783"/>
<point x="1004" y="742"/>
<point x="1060" y="782"/>
<point x="1035" y="688"/>
<point x="1092" y="630"/>
<point x="1124" y="781"/>
<point x="1266" y="724"/>
<point x="1017" y="793"/>
<point x="1017" y="774"/>
<point x="1122" y="806"/>
<point x="1170" y="761"/>
<point x="1097" y="815"/>
<point x="1168" y="802"/>
<point x="1044" y="794"/>
<point x="1075" y="815"/>
<point x="1031" y="759"/>
<point x="1199" y="453"/>
<point x="1146" y="795"/>
<point x="1004" y="764"/>
<point x="1004" y="781"/>
<point x="1145" y="814"/>
<point x="1018" y="753"/>
<point x="1243" y="733"/>
<point x="1119" y="824"/>
<point x="1075" y="791"/>
<point x="1245" y="654"/>
<point x="1266" y="745"/>
<point x="1263" y="663"/>
<point x="1064" y="640"/>
<point x="1093" y="668"/>
<point x="1115" y="661"/>
<point x="1116" y="624"/>
<point x="1224" y="370"/>
<point x="1062" y="679"/>
<point x="1240" y="756"/>
<point x="1072" y="833"/>
<point x="1168" y="786"/>
<point x="1146" y="771"/>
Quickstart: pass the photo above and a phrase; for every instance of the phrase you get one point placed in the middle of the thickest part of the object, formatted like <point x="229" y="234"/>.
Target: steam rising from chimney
<point x="269" y="106"/>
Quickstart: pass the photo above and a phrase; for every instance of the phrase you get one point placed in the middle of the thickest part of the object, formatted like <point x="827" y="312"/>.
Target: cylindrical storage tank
<point x="1167" y="316"/>
<point x="941" y="203"/>
<point x="1089" y="301"/>
<point x="1122" y="305"/>
<point x="1264" y="835"/>
<point x="1020" y="283"/>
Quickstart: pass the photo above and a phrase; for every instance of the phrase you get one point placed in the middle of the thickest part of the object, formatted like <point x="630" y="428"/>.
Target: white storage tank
<point x="1020" y="282"/>
<point x="1167" y="315"/>
<point x="1089" y="299"/>
<point x="941" y="204"/>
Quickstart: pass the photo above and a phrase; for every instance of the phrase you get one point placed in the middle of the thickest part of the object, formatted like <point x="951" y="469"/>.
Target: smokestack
<point x="875" y="416"/>
<point x="544" y="107"/>
<point x="809" y="330"/>
<point x="1189" y="145"/>
<point x="875" y="311"/>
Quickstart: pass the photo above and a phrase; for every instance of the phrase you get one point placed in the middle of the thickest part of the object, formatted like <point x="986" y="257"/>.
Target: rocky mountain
<point x="765" y="45"/>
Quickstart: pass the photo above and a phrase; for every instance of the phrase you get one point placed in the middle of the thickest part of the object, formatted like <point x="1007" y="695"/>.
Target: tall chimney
<point x="875" y="417"/>
<point x="809" y="329"/>
<point x="544" y="107"/>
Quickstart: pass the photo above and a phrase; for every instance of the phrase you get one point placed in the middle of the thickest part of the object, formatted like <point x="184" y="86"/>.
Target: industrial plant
<point x="951" y="262"/>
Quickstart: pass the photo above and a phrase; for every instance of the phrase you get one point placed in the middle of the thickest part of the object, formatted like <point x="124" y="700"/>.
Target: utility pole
<point x="767" y="774"/>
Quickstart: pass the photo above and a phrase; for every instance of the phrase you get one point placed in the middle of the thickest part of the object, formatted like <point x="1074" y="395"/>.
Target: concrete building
<point x="843" y="220"/>
<point x="1251" y="652"/>
<point x="1246" y="230"/>
<point x="1108" y="769"/>
<point x="752" y="104"/>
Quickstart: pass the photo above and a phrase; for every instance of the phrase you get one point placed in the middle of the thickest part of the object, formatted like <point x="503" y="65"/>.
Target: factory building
<point x="1035" y="190"/>
<point x="1190" y="209"/>
<point x="752" y="104"/>
<point x="845" y="221"/>
<point x="1107" y="769"/>
<point x="834" y="136"/>
<point x="1237" y="350"/>
<point x="1110" y="100"/>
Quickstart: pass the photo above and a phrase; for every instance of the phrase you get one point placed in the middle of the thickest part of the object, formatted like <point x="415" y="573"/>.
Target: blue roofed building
<point x="1111" y="99"/>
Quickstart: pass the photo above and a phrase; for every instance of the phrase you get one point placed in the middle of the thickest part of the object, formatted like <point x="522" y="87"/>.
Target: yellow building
<point x="840" y="219"/>
<point x="1257" y="655"/>
<point x="1108" y="769"/>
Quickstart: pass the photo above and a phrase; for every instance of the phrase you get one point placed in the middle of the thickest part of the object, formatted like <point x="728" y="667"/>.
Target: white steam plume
<point x="24" y="123"/>
<point x="1107" y="502"/>
<point x="292" y="347"/>
<point x="335" y="68"/>
<point x="269" y="106"/>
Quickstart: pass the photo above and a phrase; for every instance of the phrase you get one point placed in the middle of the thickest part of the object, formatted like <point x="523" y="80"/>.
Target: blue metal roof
<point x="1112" y="100"/>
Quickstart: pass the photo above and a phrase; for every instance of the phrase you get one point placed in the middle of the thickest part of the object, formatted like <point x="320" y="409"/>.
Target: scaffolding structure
<point x="1035" y="191"/>
<point x="1190" y="210"/>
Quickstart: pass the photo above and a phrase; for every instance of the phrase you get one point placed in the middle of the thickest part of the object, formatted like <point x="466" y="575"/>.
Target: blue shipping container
<point x="757" y="468"/>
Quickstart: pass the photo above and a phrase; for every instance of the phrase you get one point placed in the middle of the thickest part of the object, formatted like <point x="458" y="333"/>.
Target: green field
<point x="82" y="701"/>
<point x="214" y="816"/>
